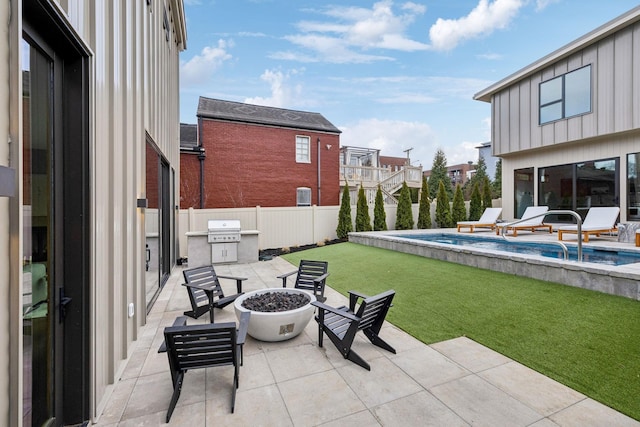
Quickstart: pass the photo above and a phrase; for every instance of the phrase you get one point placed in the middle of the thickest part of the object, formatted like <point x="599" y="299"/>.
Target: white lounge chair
<point x="487" y="220"/>
<point x="532" y="224"/>
<point x="598" y="220"/>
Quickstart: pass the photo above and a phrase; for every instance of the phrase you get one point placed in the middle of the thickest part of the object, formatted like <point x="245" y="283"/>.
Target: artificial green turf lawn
<point x="588" y="340"/>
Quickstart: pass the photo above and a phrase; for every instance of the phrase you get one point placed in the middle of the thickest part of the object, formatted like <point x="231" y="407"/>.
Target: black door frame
<point x="45" y="26"/>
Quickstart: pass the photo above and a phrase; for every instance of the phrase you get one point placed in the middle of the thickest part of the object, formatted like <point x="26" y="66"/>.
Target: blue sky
<point x="391" y="75"/>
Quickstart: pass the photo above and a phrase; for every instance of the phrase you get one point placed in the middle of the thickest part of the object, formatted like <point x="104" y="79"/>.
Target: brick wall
<point x="251" y="165"/>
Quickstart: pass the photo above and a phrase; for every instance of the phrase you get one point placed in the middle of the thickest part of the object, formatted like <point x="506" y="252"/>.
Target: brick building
<point x="249" y="155"/>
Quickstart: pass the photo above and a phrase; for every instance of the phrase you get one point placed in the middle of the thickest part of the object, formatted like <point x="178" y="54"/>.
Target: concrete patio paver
<point x="296" y="383"/>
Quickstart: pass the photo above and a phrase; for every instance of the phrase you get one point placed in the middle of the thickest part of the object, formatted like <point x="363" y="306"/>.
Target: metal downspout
<point x="319" y="203"/>
<point x="201" y="157"/>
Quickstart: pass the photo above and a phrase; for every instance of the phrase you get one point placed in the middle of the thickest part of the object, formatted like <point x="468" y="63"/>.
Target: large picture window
<point x="303" y="144"/>
<point x="566" y="96"/>
<point x="579" y="186"/>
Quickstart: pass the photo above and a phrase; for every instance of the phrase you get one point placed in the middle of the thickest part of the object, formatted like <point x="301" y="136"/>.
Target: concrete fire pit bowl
<point x="277" y="325"/>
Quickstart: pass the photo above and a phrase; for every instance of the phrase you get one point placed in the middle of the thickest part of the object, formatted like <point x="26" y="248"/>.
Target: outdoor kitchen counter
<point x="199" y="249"/>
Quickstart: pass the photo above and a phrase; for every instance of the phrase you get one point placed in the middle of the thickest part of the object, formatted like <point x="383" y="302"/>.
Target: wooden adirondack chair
<point x="341" y="324"/>
<point x="204" y="346"/>
<point x="311" y="276"/>
<point x="205" y="292"/>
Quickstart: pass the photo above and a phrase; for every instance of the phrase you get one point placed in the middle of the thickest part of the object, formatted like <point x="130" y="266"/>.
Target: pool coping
<point x="621" y="280"/>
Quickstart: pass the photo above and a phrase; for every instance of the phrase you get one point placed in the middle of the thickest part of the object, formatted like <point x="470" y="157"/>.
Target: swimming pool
<point x="616" y="276"/>
<point x="595" y="255"/>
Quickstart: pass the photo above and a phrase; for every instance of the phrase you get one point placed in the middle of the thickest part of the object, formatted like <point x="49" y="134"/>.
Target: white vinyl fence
<point x="283" y="227"/>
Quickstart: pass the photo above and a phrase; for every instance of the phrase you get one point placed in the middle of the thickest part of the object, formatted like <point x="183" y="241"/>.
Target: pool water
<point x="594" y="255"/>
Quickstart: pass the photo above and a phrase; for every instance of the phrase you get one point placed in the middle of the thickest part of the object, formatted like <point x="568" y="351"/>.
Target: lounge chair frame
<point x="587" y="229"/>
<point x="472" y="225"/>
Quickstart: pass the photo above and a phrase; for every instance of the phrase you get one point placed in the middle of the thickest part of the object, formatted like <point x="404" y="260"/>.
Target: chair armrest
<point x="238" y="280"/>
<point x="180" y="321"/>
<point x="353" y="299"/>
<point x="321" y="279"/>
<point x="243" y="327"/>
<point x="284" y="277"/>
<point x="343" y="313"/>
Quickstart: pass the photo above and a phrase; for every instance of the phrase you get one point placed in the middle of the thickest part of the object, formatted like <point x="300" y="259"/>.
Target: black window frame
<point x="562" y="99"/>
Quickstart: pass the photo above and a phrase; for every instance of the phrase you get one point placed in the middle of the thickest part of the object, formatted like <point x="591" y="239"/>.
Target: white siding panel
<point x="503" y="123"/>
<point x="635" y="77"/>
<point x="589" y="121"/>
<point x="526" y="118"/>
<point x="536" y="130"/>
<point x="515" y="123"/>
<point x="623" y="78"/>
<point x="605" y="87"/>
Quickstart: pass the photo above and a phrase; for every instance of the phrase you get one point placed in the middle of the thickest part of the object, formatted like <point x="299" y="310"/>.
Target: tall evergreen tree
<point x="497" y="181"/>
<point x="345" y="226"/>
<point x="439" y="174"/>
<point x="459" y="211"/>
<point x="487" y="199"/>
<point x="404" y="215"/>
<point x="363" y="220"/>
<point x="475" y="205"/>
<point x="424" y="209"/>
<point x="480" y="172"/>
<point x="379" y="214"/>
<point x="443" y="210"/>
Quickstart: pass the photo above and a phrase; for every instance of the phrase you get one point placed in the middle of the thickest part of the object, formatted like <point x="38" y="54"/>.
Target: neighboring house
<point x="192" y="157"/>
<point x="458" y="174"/>
<point x="367" y="168"/>
<point x="88" y="182"/>
<point x="260" y="156"/>
<point x="567" y="127"/>
<point x="491" y="162"/>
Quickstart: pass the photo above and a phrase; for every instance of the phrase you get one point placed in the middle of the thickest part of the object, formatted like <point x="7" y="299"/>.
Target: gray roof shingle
<point x="257" y="114"/>
<point x="188" y="135"/>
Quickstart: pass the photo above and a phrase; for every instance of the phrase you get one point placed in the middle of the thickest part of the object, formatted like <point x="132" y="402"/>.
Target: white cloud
<point x="355" y="29"/>
<point x="486" y="17"/>
<point x="200" y="68"/>
<point x="541" y="4"/>
<point x="282" y="94"/>
<point x="489" y="56"/>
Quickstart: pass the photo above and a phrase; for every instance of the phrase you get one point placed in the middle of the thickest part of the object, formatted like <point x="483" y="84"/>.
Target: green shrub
<point x="345" y="226"/>
<point x="475" y="205"/>
<point x="379" y="214"/>
<point x="363" y="220"/>
<point x="424" y="209"/>
<point x="443" y="210"/>
<point x="404" y="215"/>
<point x="459" y="211"/>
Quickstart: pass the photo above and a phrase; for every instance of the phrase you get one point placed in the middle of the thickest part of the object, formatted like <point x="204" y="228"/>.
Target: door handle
<point x="62" y="305"/>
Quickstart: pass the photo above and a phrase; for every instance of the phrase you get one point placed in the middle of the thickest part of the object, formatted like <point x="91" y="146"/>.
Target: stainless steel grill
<point x="223" y="230"/>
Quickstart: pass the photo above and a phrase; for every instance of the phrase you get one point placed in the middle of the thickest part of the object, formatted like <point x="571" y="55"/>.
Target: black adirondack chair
<point x="205" y="292"/>
<point x="204" y="346"/>
<point x="341" y="324"/>
<point x="311" y="276"/>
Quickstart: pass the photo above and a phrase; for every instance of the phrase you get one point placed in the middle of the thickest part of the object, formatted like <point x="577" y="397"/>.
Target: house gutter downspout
<point x="201" y="157"/>
<point x="319" y="199"/>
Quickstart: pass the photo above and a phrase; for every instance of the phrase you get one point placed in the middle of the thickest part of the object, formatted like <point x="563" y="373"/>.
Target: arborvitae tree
<point x="443" y="210"/>
<point x="459" y="211"/>
<point x="379" y="214"/>
<point x="475" y="205"/>
<point x="404" y="215"/>
<point x="345" y="226"/>
<point x="486" y="194"/>
<point x="439" y="174"/>
<point x="363" y="220"/>
<point x="424" y="209"/>
<point x="480" y="172"/>
<point x="497" y="181"/>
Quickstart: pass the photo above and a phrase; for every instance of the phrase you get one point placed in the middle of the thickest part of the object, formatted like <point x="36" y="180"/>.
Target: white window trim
<point x="299" y="138"/>
<point x="306" y="190"/>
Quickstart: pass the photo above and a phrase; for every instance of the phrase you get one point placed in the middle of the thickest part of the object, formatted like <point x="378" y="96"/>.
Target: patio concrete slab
<point x="457" y="382"/>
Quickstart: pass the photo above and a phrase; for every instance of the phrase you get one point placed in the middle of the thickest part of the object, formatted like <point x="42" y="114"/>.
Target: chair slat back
<point x="308" y="271"/>
<point x="201" y="346"/>
<point x="373" y="310"/>
<point x="203" y="276"/>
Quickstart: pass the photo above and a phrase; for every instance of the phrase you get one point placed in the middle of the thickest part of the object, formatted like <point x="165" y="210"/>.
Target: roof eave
<point x="594" y="36"/>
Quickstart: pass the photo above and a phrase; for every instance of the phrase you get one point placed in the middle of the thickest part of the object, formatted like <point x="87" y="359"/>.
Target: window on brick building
<point x="303" y="152"/>
<point x="303" y="197"/>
